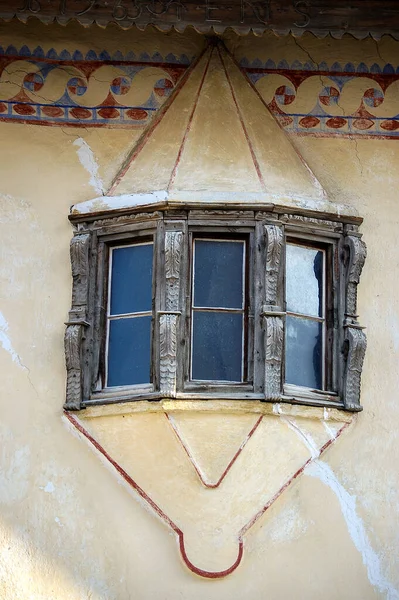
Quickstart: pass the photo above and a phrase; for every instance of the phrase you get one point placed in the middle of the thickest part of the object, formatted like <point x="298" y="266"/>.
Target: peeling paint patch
<point x="14" y="472"/>
<point x="355" y="526"/>
<point x="394" y="329"/>
<point x="289" y="526"/>
<point x="6" y="342"/>
<point x="330" y="432"/>
<point x="305" y="437"/>
<point x="88" y="162"/>
<point x="49" y="489"/>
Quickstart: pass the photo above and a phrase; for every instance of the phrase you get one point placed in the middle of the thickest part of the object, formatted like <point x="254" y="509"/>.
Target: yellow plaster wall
<point x="69" y="527"/>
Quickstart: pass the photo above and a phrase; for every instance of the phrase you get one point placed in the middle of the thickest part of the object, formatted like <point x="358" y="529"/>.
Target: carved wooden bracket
<point x="79" y="251"/>
<point x="173" y="247"/>
<point x="274" y="245"/>
<point x="355" y="339"/>
<point x="168" y="321"/>
<point x="273" y="325"/>
<point x="357" y="256"/>
<point x="72" y="343"/>
<point x="356" y="343"/>
<point x="168" y="349"/>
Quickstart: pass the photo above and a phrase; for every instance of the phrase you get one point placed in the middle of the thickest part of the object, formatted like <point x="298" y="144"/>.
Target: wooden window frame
<point x="172" y="230"/>
<point x="191" y="386"/>
<point x="331" y="310"/>
<point x="104" y="349"/>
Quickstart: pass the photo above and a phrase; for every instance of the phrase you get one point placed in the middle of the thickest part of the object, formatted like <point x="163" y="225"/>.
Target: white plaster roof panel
<point x="217" y="141"/>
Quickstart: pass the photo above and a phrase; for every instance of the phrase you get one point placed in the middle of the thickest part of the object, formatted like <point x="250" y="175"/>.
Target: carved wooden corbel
<point x="274" y="245"/>
<point x="79" y="251"/>
<point x="173" y="247"/>
<point x="273" y="323"/>
<point x="168" y="346"/>
<point x="357" y="256"/>
<point x="274" y="342"/>
<point x="168" y="319"/>
<point x="355" y="341"/>
<point x="72" y="343"/>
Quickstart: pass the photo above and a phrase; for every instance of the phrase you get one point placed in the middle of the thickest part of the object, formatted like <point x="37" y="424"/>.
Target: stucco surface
<point x="70" y="527"/>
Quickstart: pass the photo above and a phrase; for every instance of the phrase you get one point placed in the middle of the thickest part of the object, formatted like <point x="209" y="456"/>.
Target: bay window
<point x="215" y="304"/>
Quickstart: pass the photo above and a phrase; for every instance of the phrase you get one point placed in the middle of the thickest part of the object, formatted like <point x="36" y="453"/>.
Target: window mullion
<point x="258" y="302"/>
<point x="170" y="313"/>
<point x="272" y="314"/>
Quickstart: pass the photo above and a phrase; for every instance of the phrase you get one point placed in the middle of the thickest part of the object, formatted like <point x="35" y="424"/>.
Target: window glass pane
<point x="303" y="355"/>
<point x="304" y="280"/>
<point x="217" y="346"/>
<point x="218" y="274"/>
<point x="129" y="351"/>
<point x="131" y="279"/>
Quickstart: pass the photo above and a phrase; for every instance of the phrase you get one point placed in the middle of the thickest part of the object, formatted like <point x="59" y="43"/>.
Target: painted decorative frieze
<point x="323" y="100"/>
<point x="98" y="89"/>
<point x="93" y="90"/>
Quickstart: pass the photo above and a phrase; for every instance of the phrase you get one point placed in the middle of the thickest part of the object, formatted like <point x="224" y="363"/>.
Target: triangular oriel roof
<point x="218" y="142"/>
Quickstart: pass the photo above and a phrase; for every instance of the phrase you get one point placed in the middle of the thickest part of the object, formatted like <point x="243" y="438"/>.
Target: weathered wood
<point x="273" y="323"/>
<point x="357" y="256"/>
<point x="274" y="343"/>
<point x="356" y="347"/>
<point x="274" y="246"/>
<point x="355" y="341"/>
<point x="311" y="222"/>
<point x="281" y="16"/>
<point x="72" y="343"/>
<point x="265" y="233"/>
<point x="79" y="253"/>
<point x="168" y="320"/>
<point x="168" y="354"/>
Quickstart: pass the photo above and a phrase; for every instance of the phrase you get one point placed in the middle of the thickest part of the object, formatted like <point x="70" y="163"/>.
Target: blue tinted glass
<point x="218" y="274"/>
<point x="129" y="351"/>
<point x="303" y="356"/>
<point x="304" y="280"/>
<point x="217" y="346"/>
<point x="131" y="279"/>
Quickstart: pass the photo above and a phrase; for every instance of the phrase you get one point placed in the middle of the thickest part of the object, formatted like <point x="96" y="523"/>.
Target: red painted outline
<point x="236" y="455"/>
<point x="255" y="89"/>
<point x="349" y="136"/>
<point x="262" y="511"/>
<point x="188" y="128"/>
<point x="156" y="508"/>
<point x="154" y="124"/>
<point x="201" y="572"/>
<point x="251" y="149"/>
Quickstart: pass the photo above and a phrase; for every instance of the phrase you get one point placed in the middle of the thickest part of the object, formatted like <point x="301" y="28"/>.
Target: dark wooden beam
<point x="358" y="17"/>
